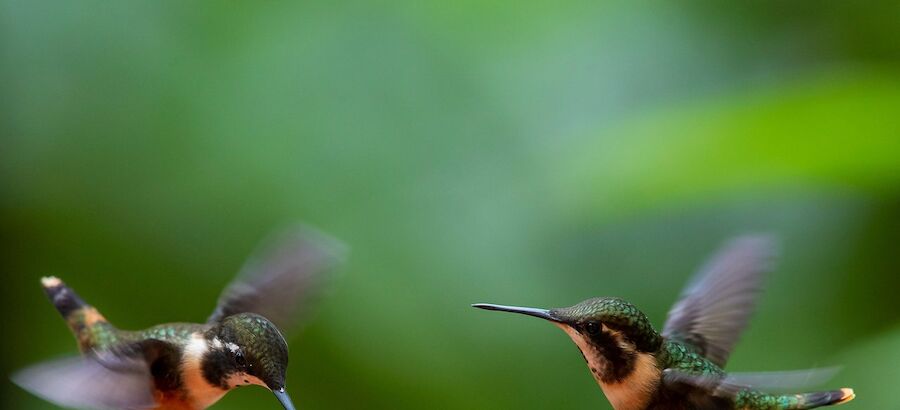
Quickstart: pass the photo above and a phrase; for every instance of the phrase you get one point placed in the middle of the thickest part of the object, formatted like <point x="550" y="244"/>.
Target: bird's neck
<point x="628" y="377"/>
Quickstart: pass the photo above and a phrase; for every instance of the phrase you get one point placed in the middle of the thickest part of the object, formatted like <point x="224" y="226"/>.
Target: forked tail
<point x="818" y="399"/>
<point x="91" y="329"/>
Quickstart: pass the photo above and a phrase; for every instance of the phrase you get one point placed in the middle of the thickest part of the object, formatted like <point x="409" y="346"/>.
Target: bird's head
<point x="599" y="320"/>
<point x="245" y="349"/>
<point x="608" y="331"/>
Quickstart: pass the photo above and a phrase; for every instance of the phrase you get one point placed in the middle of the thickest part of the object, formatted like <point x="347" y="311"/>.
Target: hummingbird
<point x="190" y="366"/>
<point x="639" y="368"/>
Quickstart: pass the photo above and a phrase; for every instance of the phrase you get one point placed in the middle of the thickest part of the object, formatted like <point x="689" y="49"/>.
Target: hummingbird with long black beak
<point x="190" y="366"/>
<point x="639" y="368"/>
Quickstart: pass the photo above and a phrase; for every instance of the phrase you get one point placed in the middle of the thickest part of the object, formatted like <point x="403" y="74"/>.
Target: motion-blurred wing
<point x="86" y="382"/>
<point x="279" y="280"/>
<point x="715" y="308"/>
<point x="769" y="382"/>
<point x="781" y="382"/>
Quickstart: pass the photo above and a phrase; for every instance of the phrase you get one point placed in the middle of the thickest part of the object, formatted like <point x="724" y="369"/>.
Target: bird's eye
<point x="592" y="328"/>
<point x="239" y="359"/>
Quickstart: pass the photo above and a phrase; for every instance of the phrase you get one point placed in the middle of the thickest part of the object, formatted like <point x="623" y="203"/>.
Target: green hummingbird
<point x="681" y="368"/>
<point x="190" y="366"/>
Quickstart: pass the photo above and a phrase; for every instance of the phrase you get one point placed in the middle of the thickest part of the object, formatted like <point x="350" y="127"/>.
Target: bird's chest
<point x="194" y="393"/>
<point x="197" y="392"/>
<point x="634" y="391"/>
<point x="628" y="378"/>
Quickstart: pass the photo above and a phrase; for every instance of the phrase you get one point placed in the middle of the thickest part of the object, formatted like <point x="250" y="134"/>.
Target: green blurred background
<point x="531" y="153"/>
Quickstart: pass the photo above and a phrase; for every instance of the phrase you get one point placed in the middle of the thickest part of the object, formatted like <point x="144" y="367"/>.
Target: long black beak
<point x="284" y="399"/>
<point x="541" y="313"/>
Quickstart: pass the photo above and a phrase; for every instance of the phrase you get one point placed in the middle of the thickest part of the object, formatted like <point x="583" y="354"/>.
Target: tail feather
<point x="90" y="327"/>
<point x="823" y="398"/>
<point x="63" y="298"/>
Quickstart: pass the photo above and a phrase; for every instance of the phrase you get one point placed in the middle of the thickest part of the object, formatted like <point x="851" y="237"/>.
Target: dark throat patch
<point x="616" y="363"/>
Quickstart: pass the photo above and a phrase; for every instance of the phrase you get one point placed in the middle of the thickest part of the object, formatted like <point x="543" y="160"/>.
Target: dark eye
<point x="592" y="328"/>
<point x="239" y="359"/>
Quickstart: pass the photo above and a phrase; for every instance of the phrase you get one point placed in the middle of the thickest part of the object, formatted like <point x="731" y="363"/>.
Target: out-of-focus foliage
<point x="527" y="153"/>
<point x="837" y="129"/>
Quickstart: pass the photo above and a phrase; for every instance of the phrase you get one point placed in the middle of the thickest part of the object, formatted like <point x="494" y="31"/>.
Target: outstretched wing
<point x="715" y="308"/>
<point x="733" y="383"/>
<point x="281" y="278"/>
<point x="90" y="382"/>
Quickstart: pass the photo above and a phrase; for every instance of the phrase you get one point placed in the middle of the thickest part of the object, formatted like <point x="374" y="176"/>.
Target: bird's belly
<point x="174" y="403"/>
<point x="687" y="398"/>
<point x="179" y="400"/>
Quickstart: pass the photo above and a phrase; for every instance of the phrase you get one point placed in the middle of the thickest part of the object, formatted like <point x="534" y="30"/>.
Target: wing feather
<point x="769" y="382"/>
<point x="715" y="308"/>
<point x="281" y="278"/>
<point x="90" y="382"/>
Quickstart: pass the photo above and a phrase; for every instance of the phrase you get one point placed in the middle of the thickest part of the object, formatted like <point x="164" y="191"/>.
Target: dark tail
<point x="63" y="298"/>
<point x="89" y="326"/>
<point x="819" y="399"/>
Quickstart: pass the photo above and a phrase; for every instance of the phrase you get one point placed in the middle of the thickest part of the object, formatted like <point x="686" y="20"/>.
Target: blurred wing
<point x="768" y="382"/>
<point x="715" y="307"/>
<point x="782" y="382"/>
<point x="83" y="382"/>
<point x="279" y="280"/>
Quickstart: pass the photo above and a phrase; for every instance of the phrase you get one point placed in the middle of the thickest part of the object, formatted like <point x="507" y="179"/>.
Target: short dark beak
<point x="541" y="313"/>
<point x="284" y="399"/>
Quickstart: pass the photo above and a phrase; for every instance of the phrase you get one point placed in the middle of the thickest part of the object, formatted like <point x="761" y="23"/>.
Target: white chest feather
<point x="633" y="392"/>
<point x="202" y="393"/>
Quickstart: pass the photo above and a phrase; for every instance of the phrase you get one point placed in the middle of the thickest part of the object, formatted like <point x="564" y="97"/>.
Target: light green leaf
<point x="840" y="130"/>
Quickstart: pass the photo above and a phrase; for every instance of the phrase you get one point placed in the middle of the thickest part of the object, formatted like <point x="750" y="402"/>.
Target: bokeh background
<point x="533" y="153"/>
